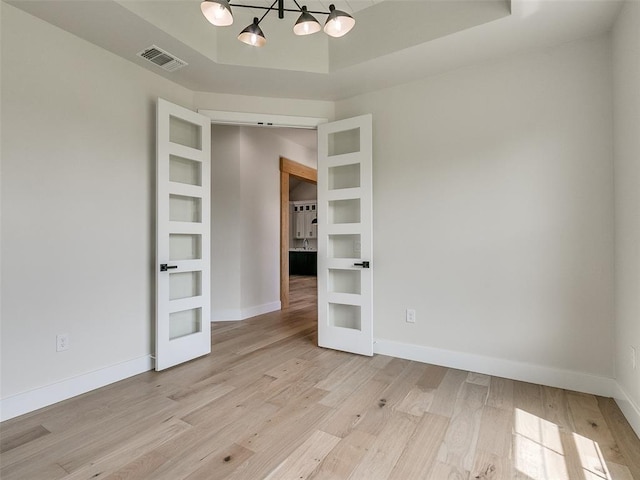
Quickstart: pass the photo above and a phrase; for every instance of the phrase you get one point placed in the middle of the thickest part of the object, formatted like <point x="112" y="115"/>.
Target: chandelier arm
<point x="268" y="10"/>
<point x="260" y="7"/>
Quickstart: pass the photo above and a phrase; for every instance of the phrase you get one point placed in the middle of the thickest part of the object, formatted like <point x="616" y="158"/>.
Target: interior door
<point x="183" y="329"/>
<point x="345" y="239"/>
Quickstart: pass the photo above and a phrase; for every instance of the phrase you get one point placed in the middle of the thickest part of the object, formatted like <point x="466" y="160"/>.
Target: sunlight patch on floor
<point x="542" y="451"/>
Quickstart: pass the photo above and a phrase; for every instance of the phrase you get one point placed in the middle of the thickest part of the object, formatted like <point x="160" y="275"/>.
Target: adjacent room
<point x="403" y="246"/>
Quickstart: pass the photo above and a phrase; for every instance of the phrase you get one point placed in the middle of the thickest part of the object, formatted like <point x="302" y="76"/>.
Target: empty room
<point x="369" y="239"/>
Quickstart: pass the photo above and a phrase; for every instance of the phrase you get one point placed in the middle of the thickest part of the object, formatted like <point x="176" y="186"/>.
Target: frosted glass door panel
<point x="344" y="246"/>
<point x="345" y="316"/>
<point x="342" y="142"/>
<point x="344" y="281"/>
<point x="185" y="285"/>
<point x="183" y="246"/>
<point x="185" y="209"/>
<point x="344" y="211"/>
<point x="186" y="322"/>
<point x="344" y="176"/>
<point x="185" y="133"/>
<point x="183" y="170"/>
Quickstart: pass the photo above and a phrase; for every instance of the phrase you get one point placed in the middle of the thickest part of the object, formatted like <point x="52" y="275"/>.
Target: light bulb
<point x="306" y="23"/>
<point x="252" y="35"/>
<point x="338" y="23"/>
<point x="217" y="12"/>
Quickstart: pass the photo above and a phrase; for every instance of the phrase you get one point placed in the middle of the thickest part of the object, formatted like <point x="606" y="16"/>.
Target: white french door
<point x="345" y="239"/>
<point x="183" y="149"/>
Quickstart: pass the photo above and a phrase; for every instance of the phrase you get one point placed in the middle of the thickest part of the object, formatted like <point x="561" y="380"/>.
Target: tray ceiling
<point x="394" y="41"/>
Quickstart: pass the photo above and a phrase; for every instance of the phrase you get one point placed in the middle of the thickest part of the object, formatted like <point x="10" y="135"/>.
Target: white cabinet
<point x="305" y="220"/>
<point x="310" y="221"/>
<point x="299" y="224"/>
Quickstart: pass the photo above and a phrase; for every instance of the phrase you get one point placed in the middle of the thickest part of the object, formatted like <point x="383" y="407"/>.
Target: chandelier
<point x="338" y="23"/>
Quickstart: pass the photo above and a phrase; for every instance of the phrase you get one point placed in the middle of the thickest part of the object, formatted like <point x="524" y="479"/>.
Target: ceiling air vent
<point x="163" y="59"/>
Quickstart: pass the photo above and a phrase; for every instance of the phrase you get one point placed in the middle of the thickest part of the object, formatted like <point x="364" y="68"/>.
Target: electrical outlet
<point x="411" y="315"/>
<point x="634" y="357"/>
<point x="62" y="342"/>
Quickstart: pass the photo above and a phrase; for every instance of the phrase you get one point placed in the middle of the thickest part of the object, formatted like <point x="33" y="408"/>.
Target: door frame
<point x="271" y="120"/>
<point x="288" y="169"/>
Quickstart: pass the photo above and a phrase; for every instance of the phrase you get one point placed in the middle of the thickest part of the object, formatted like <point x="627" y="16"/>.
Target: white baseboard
<point x="232" y="315"/>
<point x="553" y="377"/>
<point x="260" y="309"/>
<point x="226" y="315"/>
<point x="629" y="408"/>
<point x="26" y="402"/>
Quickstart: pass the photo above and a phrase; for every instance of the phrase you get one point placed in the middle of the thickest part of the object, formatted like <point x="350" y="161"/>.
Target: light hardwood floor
<point x="269" y="404"/>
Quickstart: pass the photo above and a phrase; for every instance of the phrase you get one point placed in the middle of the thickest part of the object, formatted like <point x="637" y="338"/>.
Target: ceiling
<point x="394" y="41"/>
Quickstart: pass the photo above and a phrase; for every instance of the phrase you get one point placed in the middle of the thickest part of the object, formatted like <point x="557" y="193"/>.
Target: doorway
<point x="345" y="280"/>
<point x="290" y="171"/>
<point x="345" y="243"/>
<point x="280" y="123"/>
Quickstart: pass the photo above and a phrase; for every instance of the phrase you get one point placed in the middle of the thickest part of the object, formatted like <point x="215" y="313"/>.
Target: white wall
<point x="77" y="205"/>
<point x="626" y="77"/>
<point x="493" y="210"/>
<point x="304" y="191"/>
<point x="226" y="212"/>
<point x="254" y="226"/>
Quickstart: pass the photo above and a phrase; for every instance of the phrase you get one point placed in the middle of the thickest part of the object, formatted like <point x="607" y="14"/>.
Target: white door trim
<point x="262" y="119"/>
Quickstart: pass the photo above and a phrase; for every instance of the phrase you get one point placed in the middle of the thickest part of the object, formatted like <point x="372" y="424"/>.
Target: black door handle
<point x="363" y="264"/>
<point x="164" y="267"/>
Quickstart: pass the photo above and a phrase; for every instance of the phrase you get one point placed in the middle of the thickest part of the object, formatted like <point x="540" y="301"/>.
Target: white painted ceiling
<point x="394" y="41"/>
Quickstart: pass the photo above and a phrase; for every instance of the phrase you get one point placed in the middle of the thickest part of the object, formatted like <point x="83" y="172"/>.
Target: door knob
<point x="164" y="267"/>
<point x="363" y="264"/>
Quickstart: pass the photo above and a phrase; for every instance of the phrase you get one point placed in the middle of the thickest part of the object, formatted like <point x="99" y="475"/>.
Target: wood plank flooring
<point x="269" y="404"/>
